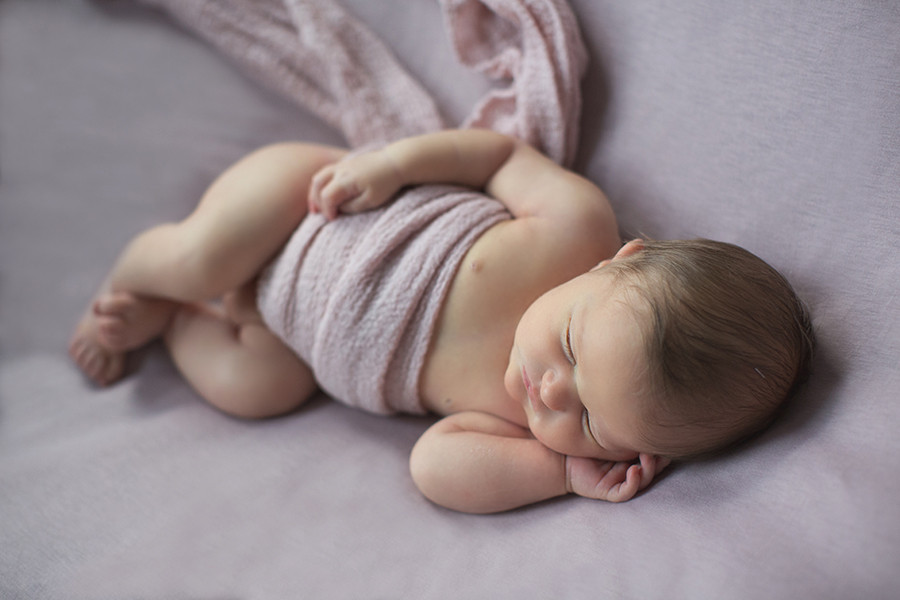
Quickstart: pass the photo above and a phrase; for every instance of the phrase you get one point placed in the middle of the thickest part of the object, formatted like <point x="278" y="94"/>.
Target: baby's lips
<point x="533" y="394"/>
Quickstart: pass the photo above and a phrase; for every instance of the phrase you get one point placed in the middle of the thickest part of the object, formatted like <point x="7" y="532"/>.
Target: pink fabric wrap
<point x="325" y="60"/>
<point x="358" y="299"/>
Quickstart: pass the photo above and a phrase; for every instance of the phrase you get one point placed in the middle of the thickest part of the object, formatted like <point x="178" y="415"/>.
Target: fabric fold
<point x="315" y="53"/>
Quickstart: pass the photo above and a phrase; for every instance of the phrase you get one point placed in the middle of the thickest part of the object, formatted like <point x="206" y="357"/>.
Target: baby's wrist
<point x="393" y="166"/>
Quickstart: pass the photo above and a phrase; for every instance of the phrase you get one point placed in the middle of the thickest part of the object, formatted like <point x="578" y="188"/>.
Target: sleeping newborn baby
<point x="460" y="273"/>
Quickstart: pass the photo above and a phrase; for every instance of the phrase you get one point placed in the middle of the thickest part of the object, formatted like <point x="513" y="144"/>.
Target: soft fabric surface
<point x="772" y="125"/>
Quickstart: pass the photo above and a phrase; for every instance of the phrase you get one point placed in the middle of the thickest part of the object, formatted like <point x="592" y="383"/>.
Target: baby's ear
<point x="632" y="247"/>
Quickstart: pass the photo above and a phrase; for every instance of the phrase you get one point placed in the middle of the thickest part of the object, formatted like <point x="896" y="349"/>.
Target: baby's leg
<point x="126" y="321"/>
<point x="244" y="218"/>
<point x="114" y="323"/>
<point x="241" y="369"/>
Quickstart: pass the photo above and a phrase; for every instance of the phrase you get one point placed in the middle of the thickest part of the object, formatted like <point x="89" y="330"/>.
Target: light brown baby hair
<point x="727" y="341"/>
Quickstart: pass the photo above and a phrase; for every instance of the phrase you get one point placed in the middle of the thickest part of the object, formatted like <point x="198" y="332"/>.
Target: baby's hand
<point x="355" y="184"/>
<point x="610" y="480"/>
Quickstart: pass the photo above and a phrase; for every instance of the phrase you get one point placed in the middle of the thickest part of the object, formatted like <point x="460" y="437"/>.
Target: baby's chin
<point x="511" y="379"/>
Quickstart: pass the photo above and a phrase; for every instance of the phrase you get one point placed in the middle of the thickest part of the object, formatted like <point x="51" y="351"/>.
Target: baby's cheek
<point x="511" y="380"/>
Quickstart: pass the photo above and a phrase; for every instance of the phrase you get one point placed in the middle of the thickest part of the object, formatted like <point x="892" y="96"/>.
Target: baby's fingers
<point x="338" y="191"/>
<point x="651" y="466"/>
<point x="322" y="178"/>
<point x="637" y="477"/>
<point x="628" y="482"/>
<point x="648" y="470"/>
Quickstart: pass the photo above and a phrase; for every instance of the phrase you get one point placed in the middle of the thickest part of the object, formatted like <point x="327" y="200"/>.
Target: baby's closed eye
<point x="588" y="429"/>
<point x="567" y="344"/>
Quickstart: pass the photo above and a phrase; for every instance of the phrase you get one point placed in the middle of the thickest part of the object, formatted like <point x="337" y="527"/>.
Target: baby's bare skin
<point x="115" y="323"/>
<point x="509" y="386"/>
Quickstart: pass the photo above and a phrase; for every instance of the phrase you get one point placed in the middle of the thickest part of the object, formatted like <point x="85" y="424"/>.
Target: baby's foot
<point x="115" y="323"/>
<point x="101" y="364"/>
<point x="125" y="321"/>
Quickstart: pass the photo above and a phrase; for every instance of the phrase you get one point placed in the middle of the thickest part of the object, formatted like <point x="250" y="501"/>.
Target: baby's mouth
<point x="533" y="394"/>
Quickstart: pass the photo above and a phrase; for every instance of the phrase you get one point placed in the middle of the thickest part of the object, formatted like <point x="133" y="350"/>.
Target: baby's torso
<point x="414" y="307"/>
<point x="470" y="348"/>
<point x="358" y="298"/>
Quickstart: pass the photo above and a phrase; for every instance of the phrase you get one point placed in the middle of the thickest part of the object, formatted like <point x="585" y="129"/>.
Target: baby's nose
<point x="554" y="391"/>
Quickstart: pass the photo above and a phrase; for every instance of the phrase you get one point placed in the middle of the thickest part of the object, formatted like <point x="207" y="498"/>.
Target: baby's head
<point x="727" y="342"/>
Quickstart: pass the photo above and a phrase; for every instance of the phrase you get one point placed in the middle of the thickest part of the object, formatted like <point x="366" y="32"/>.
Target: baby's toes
<point x="89" y="360"/>
<point x="111" y="370"/>
<point x="99" y="365"/>
<point x="76" y="347"/>
<point x="103" y="367"/>
<point x="80" y="351"/>
<point x="95" y="366"/>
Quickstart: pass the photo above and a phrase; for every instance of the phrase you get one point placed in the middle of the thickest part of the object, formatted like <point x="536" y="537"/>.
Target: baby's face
<point x="575" y="366"/>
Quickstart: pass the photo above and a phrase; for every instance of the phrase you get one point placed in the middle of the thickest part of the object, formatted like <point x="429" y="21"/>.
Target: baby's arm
<point x="559" y="209"/>
<point x="476" y="462"/>
<point x="365" y="181"/>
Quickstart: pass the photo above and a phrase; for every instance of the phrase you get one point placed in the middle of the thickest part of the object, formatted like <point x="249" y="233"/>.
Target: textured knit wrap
<point x="358" y="298"/>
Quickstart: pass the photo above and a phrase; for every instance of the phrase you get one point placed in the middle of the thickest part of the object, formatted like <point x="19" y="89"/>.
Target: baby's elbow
<point x="435" y="478"/>
<point x="425" y="471"/>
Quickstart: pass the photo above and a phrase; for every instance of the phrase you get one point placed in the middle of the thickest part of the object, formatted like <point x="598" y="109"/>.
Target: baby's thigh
<point x="251" y="210"/>
<point x="243" y="370"/>
<point x="267" y="187"/>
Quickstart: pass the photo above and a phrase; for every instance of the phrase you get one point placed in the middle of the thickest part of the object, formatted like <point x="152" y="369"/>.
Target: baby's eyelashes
<point x="567" y="344"/>
<point x="589" y="431"/>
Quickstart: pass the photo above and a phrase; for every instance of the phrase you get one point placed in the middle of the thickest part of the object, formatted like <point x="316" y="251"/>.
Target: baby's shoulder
<point x="515" y="262"/>
<point x="528" y="256"/>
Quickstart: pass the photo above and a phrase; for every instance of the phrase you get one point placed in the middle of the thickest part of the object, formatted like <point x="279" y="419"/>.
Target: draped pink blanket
<point x="358" y="298"/>
<point x="327" y="61"/>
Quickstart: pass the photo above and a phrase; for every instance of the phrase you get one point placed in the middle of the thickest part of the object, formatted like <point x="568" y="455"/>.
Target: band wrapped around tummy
<point x="358" y="298"/>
